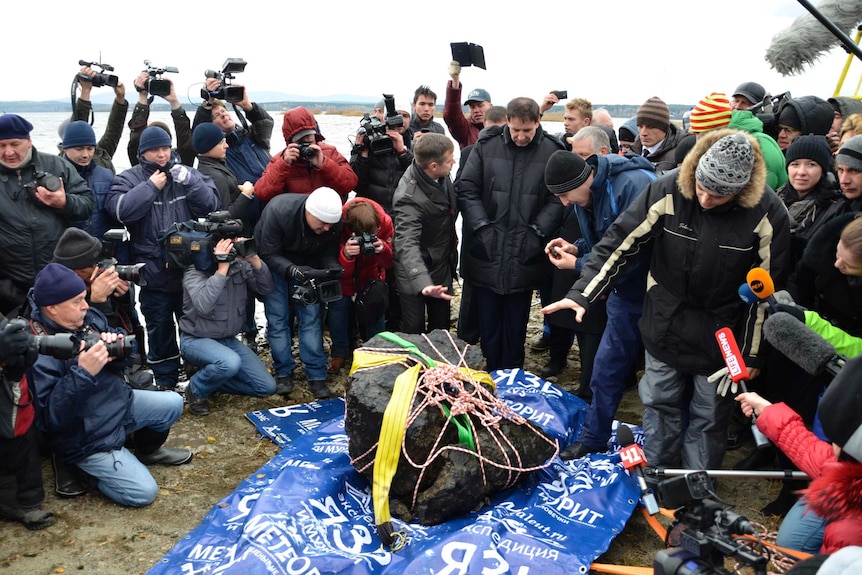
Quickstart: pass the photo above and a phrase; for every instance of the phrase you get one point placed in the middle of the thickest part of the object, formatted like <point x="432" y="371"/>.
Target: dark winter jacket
<point x="300" y="177"/>
<point x="835" y="492"/>
<point x="462" y="129"/>
<point x="815" y="114"/>
<point x="284" y="239"/>
<point x="99" y="179"/>
<point x="80" y="414"/>
<point x="370" y="267"/>
<point x="378" y="176"/>
<point x="230" y="198"/>
<point x="30" y="229"/>
<point x="508" y="211"/>
<point x="699" y="259"/>
<point x="148" y="213"/>
<point x="664" y="159"/>
<point x="214" y="305"/>
<point x="106" y="147"/>
<point x="248" y="149"/>
<point x="807" y="213"/>
<point x="425" y="245"/>
<point x="433" y="126"/>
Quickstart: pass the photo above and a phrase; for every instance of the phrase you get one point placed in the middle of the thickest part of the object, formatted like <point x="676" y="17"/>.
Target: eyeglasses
<point x="790" y="131"/>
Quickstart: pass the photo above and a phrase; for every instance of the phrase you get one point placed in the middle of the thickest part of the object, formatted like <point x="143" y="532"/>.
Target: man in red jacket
<point x="307" y="163"/>
<point x="464" y="130"/>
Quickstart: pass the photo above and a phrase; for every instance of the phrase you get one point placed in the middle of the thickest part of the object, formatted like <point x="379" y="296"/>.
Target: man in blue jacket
<point x="148" y="199"/>
<point x="83" y="405"/>
<point x="600" y="188"/>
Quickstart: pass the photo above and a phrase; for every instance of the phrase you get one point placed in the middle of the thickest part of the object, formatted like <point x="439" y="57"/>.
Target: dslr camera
<point x="306" y="152"/>
<point x="155" y="84"/>
<point x="376" y="140"/>
<point x="225" y="91"/>
<point x="44" y="179"/>
<point x="366" y="243"/>
<point x="101" y="78"/>
<point x="68" y="345"/>
<point x="129" y="272"/>
<point x="709" y="529"/>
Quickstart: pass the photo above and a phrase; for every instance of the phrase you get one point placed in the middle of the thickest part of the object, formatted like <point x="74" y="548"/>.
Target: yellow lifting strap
<point x="391" y="435"/>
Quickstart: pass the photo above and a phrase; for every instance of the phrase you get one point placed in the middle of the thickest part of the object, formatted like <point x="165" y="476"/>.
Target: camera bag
<point x="371" y="302"/>
<point x="183" y="246"/>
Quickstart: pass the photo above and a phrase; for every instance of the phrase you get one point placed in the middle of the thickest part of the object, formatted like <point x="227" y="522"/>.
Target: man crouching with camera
<point x="214" y="304"/>
<point x="84" y="407"/>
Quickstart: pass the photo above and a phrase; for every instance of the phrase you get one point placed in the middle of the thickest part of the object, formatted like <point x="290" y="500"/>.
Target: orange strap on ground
<point x="621" y="569"/>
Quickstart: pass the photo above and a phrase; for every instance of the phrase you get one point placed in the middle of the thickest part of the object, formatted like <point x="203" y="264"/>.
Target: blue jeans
<point x="227" y="365"/>
<point x="278" y="308"/>
<point x="618" y="350"/>
<point x="163" y="354"/>
<point x="801" y="529"/>
<point x="121" y="476"/>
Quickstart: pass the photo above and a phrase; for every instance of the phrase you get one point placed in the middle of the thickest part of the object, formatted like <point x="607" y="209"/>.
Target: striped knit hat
<point x="655" y="114"/>
<point x="710" y="113"/>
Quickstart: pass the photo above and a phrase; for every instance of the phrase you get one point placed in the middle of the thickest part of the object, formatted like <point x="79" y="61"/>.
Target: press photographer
<point x="307" y="163"/>
<point x="298" y="237"/>
<point x="87" y="423"/>
<point x="27" y="219"/>
<point x="20" y="460"/>
<point x="249" y="142"/>
<point x="210" y="324"/>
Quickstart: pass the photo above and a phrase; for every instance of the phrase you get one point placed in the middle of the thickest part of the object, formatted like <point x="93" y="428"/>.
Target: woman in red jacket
<point x="831" y="506"/>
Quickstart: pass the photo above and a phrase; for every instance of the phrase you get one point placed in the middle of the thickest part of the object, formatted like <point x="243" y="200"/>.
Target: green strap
<point x="409" y="346"/>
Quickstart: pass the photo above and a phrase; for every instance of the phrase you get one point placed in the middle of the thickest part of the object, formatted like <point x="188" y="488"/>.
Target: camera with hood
<point x="45" y="180"/>
<point x="376" y="139"/>
<point x="128" y="272"/>
<point x="366" y="243"/>
<point x="155" y="84"/>
<point x="225" y="91"/>
<point x="708" y="530"/>
<point x="101" y="78"/>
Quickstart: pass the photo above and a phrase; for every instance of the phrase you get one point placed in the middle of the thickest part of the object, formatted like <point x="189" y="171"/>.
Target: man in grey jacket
<point x="213" y="314"/>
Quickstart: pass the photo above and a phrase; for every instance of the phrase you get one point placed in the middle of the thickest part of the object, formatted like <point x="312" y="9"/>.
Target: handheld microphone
<point x="632" y="457"/>
<point x="802" y="345"/>
<point x="738" y="373"/>
<point x="747" y="295"/>
<point x="760" y="282"/>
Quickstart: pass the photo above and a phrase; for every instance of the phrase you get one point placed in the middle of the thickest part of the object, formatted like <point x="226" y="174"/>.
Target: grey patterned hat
<point x="725" y="169"/>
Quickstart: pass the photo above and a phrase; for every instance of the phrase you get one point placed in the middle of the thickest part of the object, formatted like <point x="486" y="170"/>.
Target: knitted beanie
<point x="840" y="409"/>
<point x="76" y="249"/>
<point x="14" y="127"/>
<point x="153" y="137"/>
<point x="55" y="284"/>
<point x="810" y="147"/>
<point x="79" y="133"/>
<point x="655" y="114"/>
<point x="710" y="113"/>
<point x="565" y="172"/>
<point x="725" y="168"/>
<point x="206" y="137"/>
<point x="850" y="154"/>
<point x="789" y="117"/>
<point x="325" y="205"/>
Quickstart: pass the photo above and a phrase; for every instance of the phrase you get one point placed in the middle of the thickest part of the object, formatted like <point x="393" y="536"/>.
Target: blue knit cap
<point x="79" y="133"/>
<point x="206" y="137"/>
<point x="153" y="137"/>
<point x="14" y="127"/>
<point x="55" y="284"/>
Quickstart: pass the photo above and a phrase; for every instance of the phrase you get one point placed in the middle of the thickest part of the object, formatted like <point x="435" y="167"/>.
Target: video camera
<point x="709" y="529"/>
<point x="376" y="140"/>
<point x="100" y="79"/>
<point x="320" y="287"/>
<point x="768" y="110"/>
<point x="219" y="224"/>
<point x="225" y="91"/>
<point x="155" y="84"/>
<point x="128" y="272"/>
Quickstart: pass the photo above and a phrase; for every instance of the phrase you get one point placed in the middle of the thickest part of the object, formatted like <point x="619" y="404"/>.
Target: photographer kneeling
<point x="83" y="405"/>
<point x="214" y="307"/>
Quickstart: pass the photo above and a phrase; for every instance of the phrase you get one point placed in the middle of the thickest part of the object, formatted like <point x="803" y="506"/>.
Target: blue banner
<point x="309" y="511"/>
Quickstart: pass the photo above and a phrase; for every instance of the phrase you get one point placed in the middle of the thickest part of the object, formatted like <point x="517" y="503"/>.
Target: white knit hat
<point x="325" y="205"/>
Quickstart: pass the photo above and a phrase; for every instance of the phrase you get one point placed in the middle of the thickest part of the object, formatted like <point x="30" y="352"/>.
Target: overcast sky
<point x="619" y="52"/>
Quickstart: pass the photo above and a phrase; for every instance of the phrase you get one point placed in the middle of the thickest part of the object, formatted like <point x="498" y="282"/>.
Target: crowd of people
<point x="636" y="241"/>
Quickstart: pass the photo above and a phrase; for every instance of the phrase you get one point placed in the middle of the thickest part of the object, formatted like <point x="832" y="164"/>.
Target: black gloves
<point x="15" y="349"/>
<point x="794" y="310"/>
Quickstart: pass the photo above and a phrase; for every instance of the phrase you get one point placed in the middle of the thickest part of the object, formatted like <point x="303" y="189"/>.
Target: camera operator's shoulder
<point x="490" y="133"/>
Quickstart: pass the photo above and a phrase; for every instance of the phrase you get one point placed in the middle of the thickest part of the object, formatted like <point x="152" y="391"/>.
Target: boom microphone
<point x="632" y="456"/>
<point x="738" y="373"/>
<point x="801" y="344"/>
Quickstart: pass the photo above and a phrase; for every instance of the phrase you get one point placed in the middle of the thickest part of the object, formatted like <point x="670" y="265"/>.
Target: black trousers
<point x="21" y="471"/>
<point x="413" y="309"/>
<point x="503" y="326"/>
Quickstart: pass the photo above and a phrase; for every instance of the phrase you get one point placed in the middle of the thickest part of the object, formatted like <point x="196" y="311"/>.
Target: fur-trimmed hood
<point x="837" y="493"/>
<point x="750" y="195"/>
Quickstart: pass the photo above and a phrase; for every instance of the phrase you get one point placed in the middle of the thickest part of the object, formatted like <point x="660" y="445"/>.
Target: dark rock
<point x="451" y="478"/>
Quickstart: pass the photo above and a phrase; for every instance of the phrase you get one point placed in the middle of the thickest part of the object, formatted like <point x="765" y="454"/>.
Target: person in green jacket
<point x="776" y="172"/>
